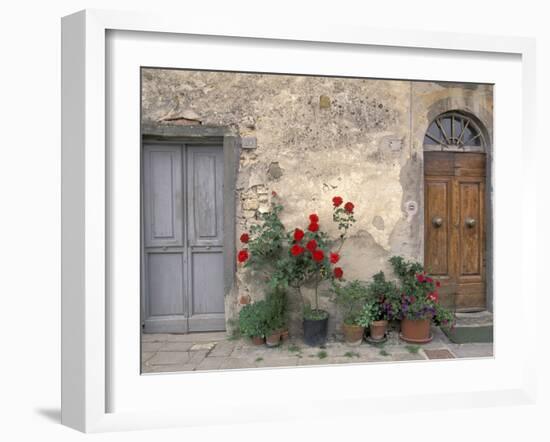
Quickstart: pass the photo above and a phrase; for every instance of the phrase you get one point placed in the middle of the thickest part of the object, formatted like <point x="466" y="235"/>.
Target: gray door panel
<point x="205" y="237"/>
<point x="166" y="282"/>
<point x="163" y="215"/>
<point x="182" y="260"/>
<point x="167" y="324"/>
<point x="164" y="258"/>
<point x="207" y="271"/>
<point x="205" y="181"/>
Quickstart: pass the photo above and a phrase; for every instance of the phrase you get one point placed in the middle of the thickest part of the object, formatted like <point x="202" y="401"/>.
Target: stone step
<point x="472" y="327"/>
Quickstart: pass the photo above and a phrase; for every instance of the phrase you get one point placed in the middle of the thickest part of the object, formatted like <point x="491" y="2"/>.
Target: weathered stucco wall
<point x="319" y="137"/>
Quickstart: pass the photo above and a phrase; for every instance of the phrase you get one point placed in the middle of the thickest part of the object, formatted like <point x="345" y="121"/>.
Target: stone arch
<point x="482" y="116"/>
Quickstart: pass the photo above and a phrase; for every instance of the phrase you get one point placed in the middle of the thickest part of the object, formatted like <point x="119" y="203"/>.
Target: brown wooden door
<point x="454" y="219"/>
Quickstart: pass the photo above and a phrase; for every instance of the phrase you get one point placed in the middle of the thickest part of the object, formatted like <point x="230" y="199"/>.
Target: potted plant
<point x="311" y="261"/>
<point x="419" y="302"/>
<point x="299" y="258"/>
<point x="351" y="298"/>
<point x="275" y="317"/>
<point x="383" y="305"/>
<point x="261" y="248"/>
<point x="253" y="321"/>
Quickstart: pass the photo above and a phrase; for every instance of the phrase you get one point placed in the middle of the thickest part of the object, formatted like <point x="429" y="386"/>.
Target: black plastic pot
<point x="315" y="331"/>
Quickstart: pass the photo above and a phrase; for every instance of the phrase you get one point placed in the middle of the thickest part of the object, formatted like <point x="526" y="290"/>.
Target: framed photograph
<point x="273" y="219"/>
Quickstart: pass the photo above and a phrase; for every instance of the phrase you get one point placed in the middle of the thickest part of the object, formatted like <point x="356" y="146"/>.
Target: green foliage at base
<point x="419" y="293"/>
<point x="252" y="319"/>
<point x="293" y="348"/>
<point x="312" y="314"/>
<point x="276" y="318"/>
<point x="351" y="354"/>
<point x="265" y="316"/>
<point x="322" y="354"/>
<point x="350" y="298"/>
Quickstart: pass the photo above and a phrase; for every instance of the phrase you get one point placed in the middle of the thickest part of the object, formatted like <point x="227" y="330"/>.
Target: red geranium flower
<point x="242" y="256"/>
<point x="314" y="218"/>
<point x="311" y="245"/>
<point x="334" y="258"/>
<point x="349" y="207"/>
<point x="420" y="278"/>
<point x="433" y="296"/>
<point x="245" y="238"/>
<point x="296" y="250"/>
<point x="337" y="200"/>
<point x="313" y="227"/>
<point x="437" y="284"/>
<point x="318" y="255"/>
<point x="298" y="234"/>
<point x="430" y="280"/>
<point x="338" y="272"/>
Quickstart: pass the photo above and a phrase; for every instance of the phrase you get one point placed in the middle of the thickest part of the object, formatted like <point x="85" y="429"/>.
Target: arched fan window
<point x="453" y="131"/>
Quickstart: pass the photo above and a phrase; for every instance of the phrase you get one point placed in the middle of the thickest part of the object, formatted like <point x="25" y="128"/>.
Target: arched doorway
<point x="454" y="209"/>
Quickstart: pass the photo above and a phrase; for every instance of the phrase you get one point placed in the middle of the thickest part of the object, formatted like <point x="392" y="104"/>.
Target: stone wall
<point x="318" y="137"/>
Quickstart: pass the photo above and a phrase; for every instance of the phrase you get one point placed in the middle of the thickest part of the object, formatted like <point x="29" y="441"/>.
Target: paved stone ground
<point x="163" y="353"/>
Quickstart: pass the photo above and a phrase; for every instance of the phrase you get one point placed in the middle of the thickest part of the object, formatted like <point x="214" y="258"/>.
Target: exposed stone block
<point x="324" y="102"/>
<point x="251" y="204"/>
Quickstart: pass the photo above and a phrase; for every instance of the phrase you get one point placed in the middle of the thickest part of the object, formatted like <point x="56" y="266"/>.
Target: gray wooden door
<point x="182" y="244"/>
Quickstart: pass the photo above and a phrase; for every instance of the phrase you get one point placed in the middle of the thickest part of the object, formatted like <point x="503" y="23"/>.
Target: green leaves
<point x="343" y="218"/>
<point x="413" y="349"/>
<point x="276" y="314"/>
<point x="417" y="291"/>
<point x="267" y="239"/>
<point x="314" y="314"/>
<point x="368" y="314"/>
<point x="252" y="319"/>
<point x="285" y="255"/>
<point x="444" y="317"/>
<point x="265" y="316"/>
<point x="384" y="296"/>
<point x="350" y="298"/>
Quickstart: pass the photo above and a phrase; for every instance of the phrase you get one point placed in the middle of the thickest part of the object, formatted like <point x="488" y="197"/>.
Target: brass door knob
<point x="437" y="221"/>
<point x="470" y="223"/>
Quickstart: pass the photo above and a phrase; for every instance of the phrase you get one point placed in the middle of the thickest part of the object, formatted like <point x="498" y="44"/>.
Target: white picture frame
<point x="88" y="312"/>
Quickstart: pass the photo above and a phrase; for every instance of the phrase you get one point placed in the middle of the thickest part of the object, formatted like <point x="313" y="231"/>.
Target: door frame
<point x="484" y="126"/>
<point x="198" y="135"/>
<point x="448" y="164"/>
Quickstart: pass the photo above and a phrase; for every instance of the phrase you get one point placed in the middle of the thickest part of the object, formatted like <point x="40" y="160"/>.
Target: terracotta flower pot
<point x="378" y="329"/>
<point x="416" y="331"/>
<point x="284" y="335"/>
<point x="257" y="340"/>
<point x="274" y="339"/>
<point x="353" y="334"/>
